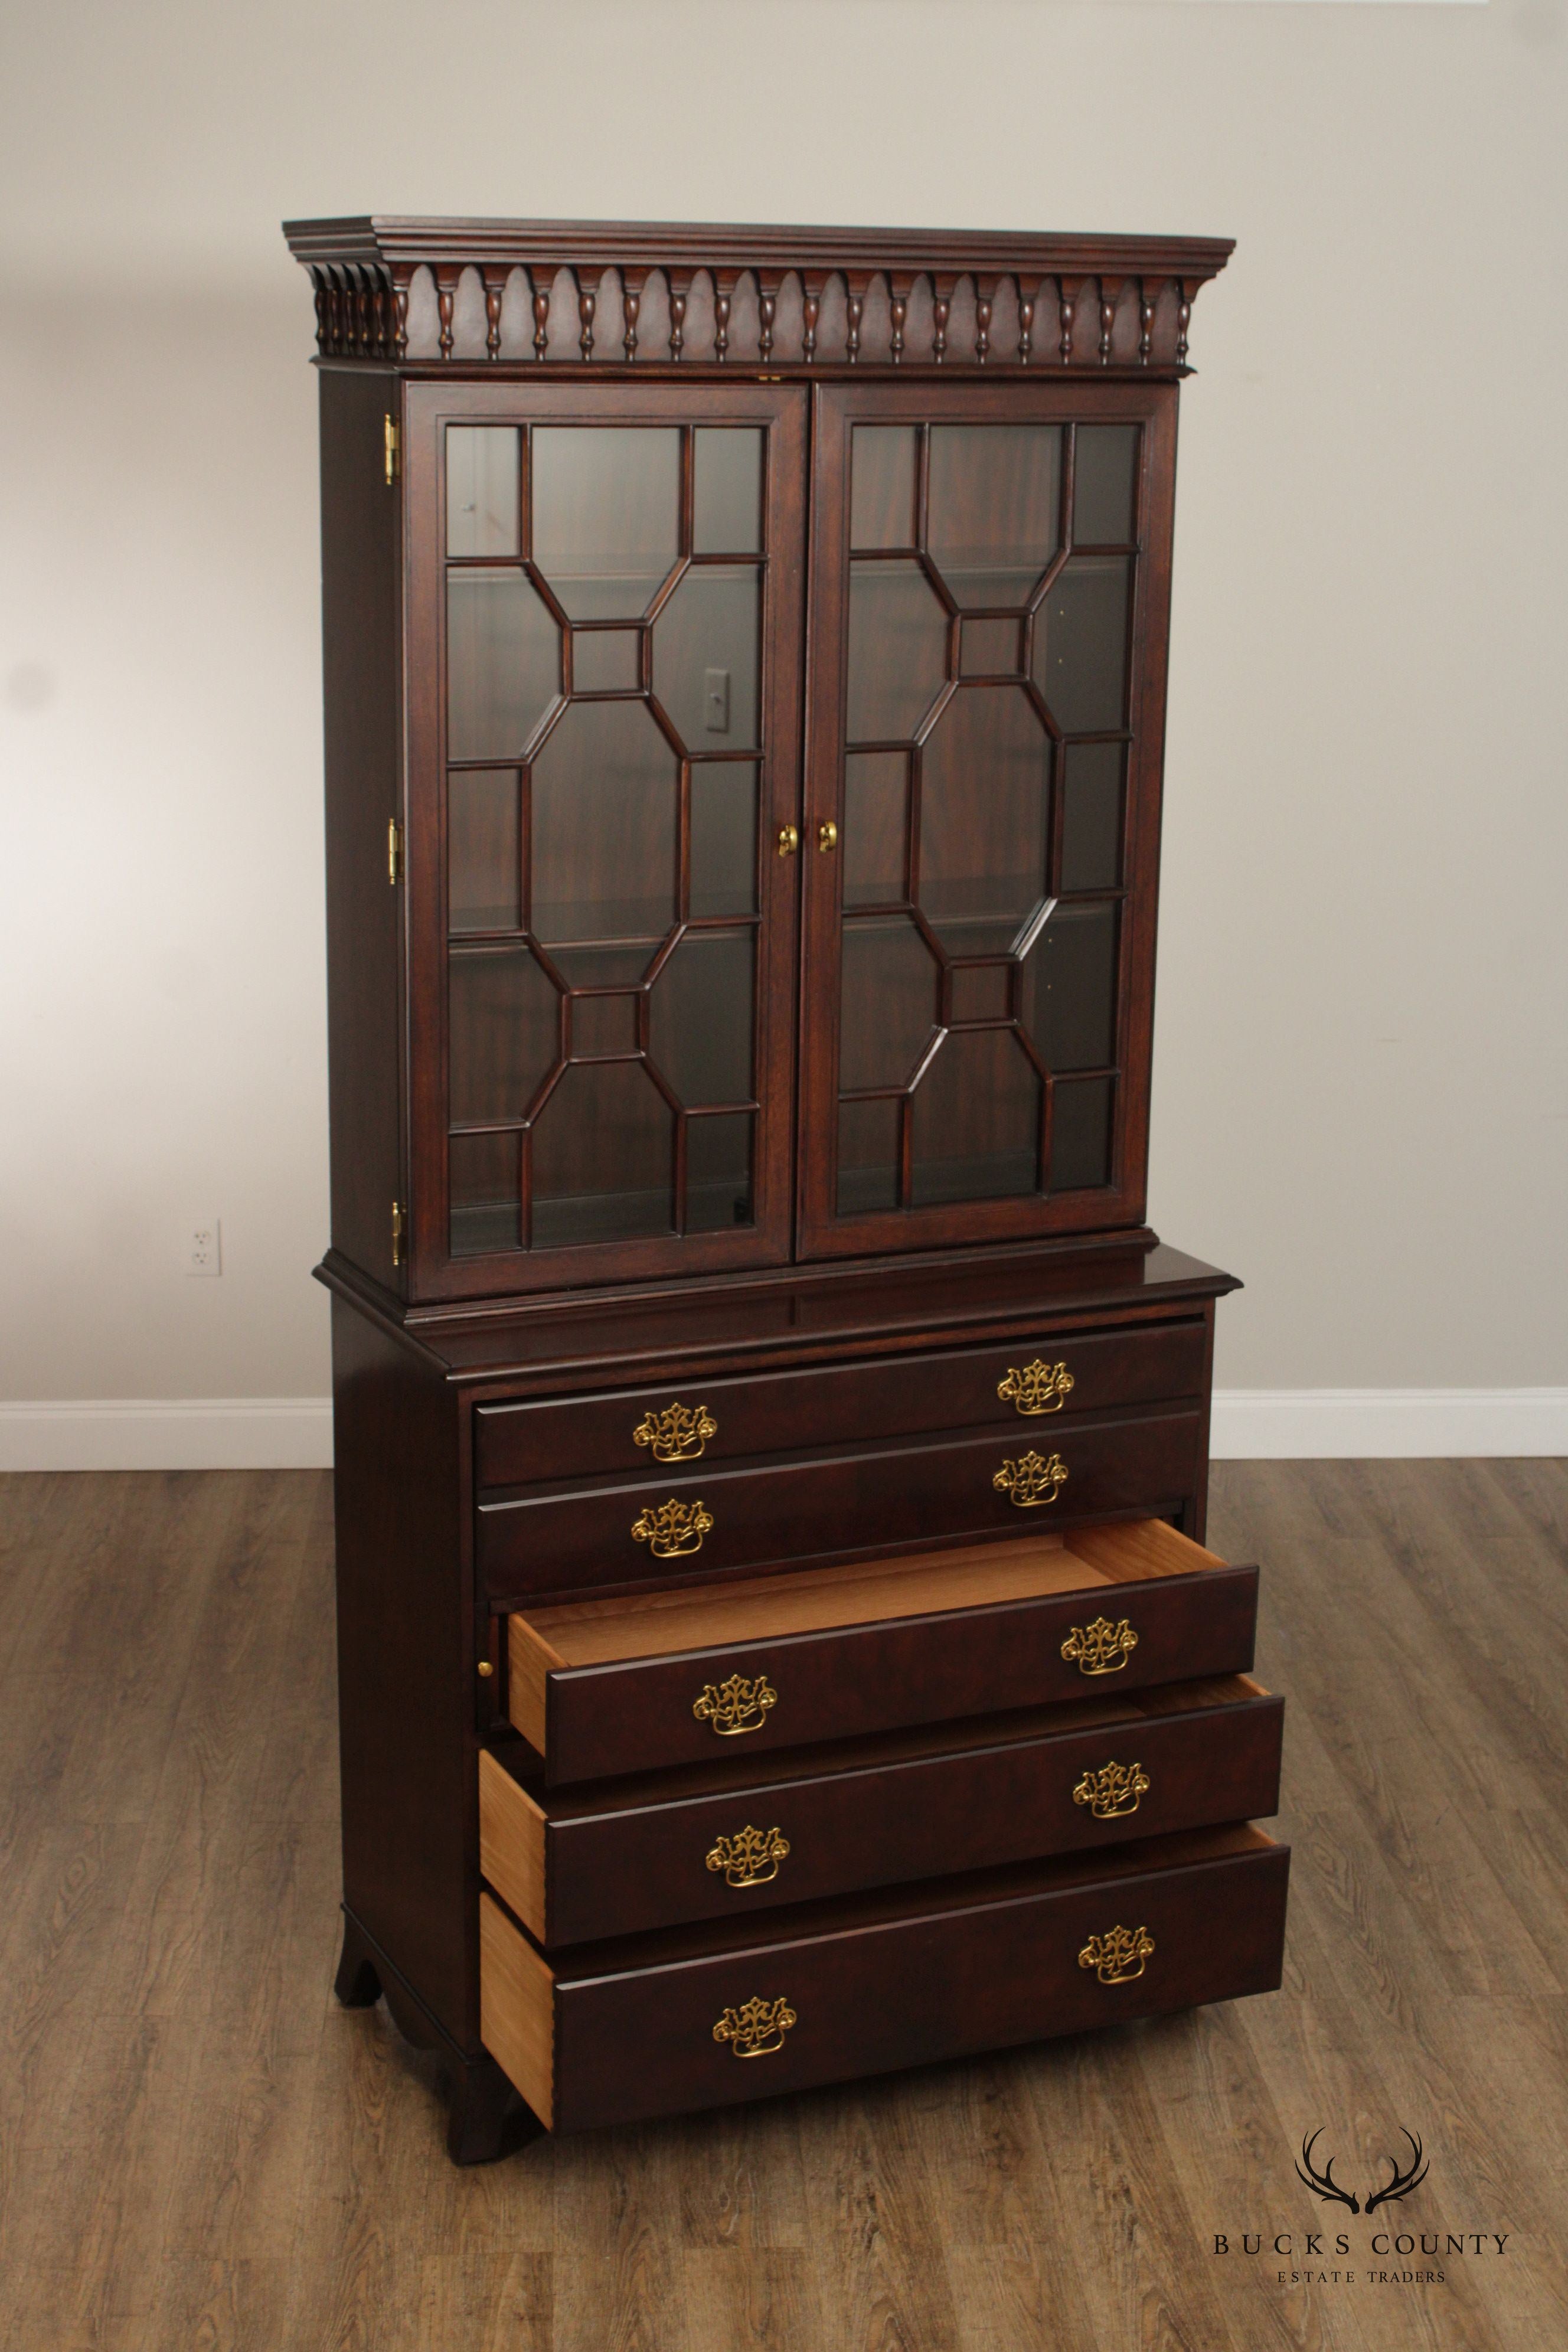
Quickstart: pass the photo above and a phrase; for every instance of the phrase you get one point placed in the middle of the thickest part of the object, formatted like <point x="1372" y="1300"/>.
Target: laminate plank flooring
<point x="199" y="2149"/>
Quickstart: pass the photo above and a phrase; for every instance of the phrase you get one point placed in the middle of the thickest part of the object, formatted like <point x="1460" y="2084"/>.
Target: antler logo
<point x="1399" y="2184"/>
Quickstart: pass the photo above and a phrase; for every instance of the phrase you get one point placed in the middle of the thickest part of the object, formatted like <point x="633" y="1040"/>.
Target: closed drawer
<point x="652" y="2025"/>
<point x="809" y="1506"/>
<point x="604" y="1688"/>
<point x="726" y="1840"/>
<point x="774" y="1413"/>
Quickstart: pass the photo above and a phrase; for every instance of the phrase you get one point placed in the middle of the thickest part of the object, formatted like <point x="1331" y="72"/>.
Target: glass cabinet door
<point x="607" y="922"/>
<point x="982" y="810"/>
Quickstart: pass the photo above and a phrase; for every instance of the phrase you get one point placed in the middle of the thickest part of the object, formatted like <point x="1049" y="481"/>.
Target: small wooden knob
<point x="486" y="1669"/>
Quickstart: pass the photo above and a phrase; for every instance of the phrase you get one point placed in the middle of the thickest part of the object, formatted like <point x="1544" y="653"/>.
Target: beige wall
<point x="1359" y="1101"/>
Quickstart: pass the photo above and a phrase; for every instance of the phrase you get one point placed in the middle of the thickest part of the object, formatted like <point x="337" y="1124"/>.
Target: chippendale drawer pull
<point x="673" y="1528"/>
<point x="1031" y="1482"/>
<point x="736" y="1706"/>
<point x="1038" y="1388"/>
<point x="679" y="1434"/>
<point x="1119" y="1954"/>
<point x="1112" y="1791"/>
<point x="1100" y="1647"/>
<point x="757" y="2028"/>
<point x="749" y="1858"/>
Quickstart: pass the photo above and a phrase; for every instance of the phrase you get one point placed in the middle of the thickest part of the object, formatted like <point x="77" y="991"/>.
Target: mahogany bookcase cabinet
<point x="776" y="1642"/>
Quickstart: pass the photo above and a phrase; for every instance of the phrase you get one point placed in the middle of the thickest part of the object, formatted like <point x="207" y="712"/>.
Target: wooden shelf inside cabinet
<point x="755" y="1381"/>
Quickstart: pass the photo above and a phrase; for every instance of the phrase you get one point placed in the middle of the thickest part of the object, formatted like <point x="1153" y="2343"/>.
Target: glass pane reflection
<point x="606" y="515"/>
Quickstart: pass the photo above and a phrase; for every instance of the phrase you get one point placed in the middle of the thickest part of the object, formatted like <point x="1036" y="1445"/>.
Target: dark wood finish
<point x="360" y="639"/>
<point x="631" y="1713"/>
<point x="866" y="1501"/>
<point x="435" y="1272"/>
<point x="528" y="826"/>
<point x="763" y="294"/>
<point x="630" y="1857"/>
<point x="821" y="1230"/>
<point x="518" y="1445"/>
<point x="878" y="1982"/>
<point x="405" y="1720"/>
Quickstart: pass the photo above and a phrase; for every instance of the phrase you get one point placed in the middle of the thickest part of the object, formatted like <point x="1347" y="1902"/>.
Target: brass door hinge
<point x="397" y="1231"/>
<point x="391" y="451"/>
<point x="394" y="851"/>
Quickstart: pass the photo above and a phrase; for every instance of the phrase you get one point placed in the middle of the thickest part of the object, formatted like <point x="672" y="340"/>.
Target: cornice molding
<point x="620" y="294"/>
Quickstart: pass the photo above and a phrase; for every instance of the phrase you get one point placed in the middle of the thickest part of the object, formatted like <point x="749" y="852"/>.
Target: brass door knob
<point x="789" y="840"/>
<point x="826" y="834"/>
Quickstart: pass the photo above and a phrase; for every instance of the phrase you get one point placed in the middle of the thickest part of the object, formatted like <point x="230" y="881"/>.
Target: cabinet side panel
<point x="406" y="1728"/>
<point x="359" y="629"/>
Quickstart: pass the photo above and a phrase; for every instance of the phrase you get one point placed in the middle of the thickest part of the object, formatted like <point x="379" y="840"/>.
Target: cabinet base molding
<point x="487" y="2116"/>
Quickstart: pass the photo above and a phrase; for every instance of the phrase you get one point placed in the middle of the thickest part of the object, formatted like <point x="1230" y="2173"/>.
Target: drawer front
<point x="633" y="1430"/>
<point x="866" y="1999"/>
<point x="817" y="1507"/>
<point x="624" y="1872"/>
<point x="641" y="1715"/>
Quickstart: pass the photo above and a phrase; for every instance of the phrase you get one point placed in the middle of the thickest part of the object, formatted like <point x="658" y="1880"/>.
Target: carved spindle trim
<point x="587" y="303"/>
<point x="1189" y="287"/>
<point x="400" y="312"/>
<point x="1069" y="289"/>
<point x="724" y="284"/>
<point x="543" y="279"/>
<point x="365" y="306"/>
<point x="1026" y="324"/>
<point x="446" y="290"/>
<point x="495" y="293"/>
<point x="855" y="285"/>
<point x="984" y="301"/>
<point x="1109" y="295"/>
<point x="940" y="308"/>
<point x="631" y="294"/>
<point x="811" y="285"/>
<point x="1145" y="323"/>
<point x="680" y="283"/>
<point x="898" y="286"/>
<point x="318" y="288"/>
<point x="767" y="308"/>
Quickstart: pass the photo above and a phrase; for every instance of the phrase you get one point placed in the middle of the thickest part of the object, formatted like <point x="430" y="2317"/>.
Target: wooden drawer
<point x="811" y="1505"/>
<point x="651" y="2025"/>
<point x="637" y="1686"/>
<point x="722" y="1841"/>
<point x="635" y="1430"/>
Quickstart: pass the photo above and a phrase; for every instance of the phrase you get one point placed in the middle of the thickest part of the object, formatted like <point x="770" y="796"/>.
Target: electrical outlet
<point x="203" y="1248"/>
<point x="716" y="701"/>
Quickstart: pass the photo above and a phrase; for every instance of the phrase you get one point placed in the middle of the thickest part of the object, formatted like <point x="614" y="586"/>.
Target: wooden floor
<point x="199" y="2149"/>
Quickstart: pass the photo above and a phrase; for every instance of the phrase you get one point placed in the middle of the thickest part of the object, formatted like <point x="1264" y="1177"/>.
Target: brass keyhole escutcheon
<point x="1100" y="1647"/>
<point x="672" y="1529"/>
<point x="749" y="1858"/>
<point x="789" y="840"/>
<point x="1113" y="1791"/>
<point x="1036" y="1388"/>
<point x="1031" y="1482"/>
<point x="736" y="1706"/>
<point x="1119" y="1954"/>
<point x="826" y="834"/>
<point x="757" y="2028"/>
<point x="679" y="1434"/>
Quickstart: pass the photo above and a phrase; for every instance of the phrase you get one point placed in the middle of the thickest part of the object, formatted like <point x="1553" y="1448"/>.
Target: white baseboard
<point x="168" y="1433"/>
<point x="1315" y="1425"/>
<point x="1249" y="1425"/>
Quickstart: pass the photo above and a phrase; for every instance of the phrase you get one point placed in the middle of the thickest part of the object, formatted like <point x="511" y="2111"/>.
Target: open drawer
<point x="720" y="1841"/>
<point x="676" y="1677"/>
<point x="650" y="2025"/>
